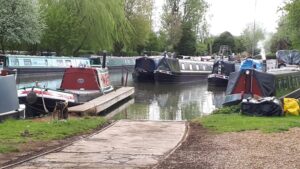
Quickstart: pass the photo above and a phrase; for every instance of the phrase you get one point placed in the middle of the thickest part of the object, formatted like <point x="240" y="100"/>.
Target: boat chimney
<point x="104" y="59"/>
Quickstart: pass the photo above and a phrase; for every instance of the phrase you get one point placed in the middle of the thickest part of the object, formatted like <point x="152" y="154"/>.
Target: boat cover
<point x="291" y="57"/>
<point x="146" y="63"/>
<point x="9" y="98"/>
<point x="268" y="106"/>
<point x="226" y="67"/>
<point x="263" y="84"/>
<point x="251" y="64"/>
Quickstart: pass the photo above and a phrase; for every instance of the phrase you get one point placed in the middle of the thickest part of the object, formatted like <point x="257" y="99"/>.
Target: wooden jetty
<point x="103" y="102"/>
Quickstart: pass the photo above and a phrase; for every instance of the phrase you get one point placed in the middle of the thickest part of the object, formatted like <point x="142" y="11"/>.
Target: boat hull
<point x="143" y="76"/>
<point x="217" y="80"/>
<point x="30" y="71"/>
<point x="42" y="101"/>
<point x="162" y="77"/>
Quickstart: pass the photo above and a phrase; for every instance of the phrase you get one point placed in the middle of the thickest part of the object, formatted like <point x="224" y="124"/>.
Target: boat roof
<point x="49" y="57"/>
<point x="283" y="71"/>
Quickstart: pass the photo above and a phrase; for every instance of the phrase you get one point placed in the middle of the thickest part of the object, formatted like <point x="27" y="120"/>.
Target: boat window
<point x="15" y="62"/>
<point x="27" y="62"/>
<point x="182" y="66"/>
<point x="197" y="67"/>
<point x="191" y="67"/>
<point x="60" y="62"/>
<point x="68" y="63"/>
<point x="204" y="67"/>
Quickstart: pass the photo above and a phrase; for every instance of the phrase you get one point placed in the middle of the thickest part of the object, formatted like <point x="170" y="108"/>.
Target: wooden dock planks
<point x="103" y="102"/>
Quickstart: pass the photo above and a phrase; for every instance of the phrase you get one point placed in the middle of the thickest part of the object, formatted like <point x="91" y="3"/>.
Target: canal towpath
<point x="124" y="144"/>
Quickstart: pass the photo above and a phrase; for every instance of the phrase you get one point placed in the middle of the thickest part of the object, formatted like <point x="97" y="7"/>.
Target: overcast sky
<point x="234" y="15"/>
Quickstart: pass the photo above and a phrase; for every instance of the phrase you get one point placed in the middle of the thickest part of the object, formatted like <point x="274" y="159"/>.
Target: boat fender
<point x="31" y="97"/>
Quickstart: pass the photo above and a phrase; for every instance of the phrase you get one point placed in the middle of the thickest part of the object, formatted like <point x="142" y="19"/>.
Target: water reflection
<point x="172" y="102"/>
<point x="157" y="102"/>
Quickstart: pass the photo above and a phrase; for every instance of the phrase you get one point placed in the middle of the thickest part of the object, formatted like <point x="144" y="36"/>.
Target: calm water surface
<point x="154" y="101"/>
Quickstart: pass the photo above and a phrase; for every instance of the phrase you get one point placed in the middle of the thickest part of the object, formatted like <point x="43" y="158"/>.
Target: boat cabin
<point x="182" y="65"/>
<point x="86" y="79"/>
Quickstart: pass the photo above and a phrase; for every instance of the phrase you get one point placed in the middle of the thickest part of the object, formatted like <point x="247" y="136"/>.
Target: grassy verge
<point x="14" y="133"/>
<point x="229" y="119"/>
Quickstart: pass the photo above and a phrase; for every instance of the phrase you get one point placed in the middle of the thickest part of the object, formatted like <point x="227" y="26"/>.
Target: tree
<point x="289" y="26"/>
<point x="251" y="36"/>
<point x="152" y="43"/>
<point x="20" y="21"/>
<point x="194" y="14"/>
<point x="180" y="14"/>
<point x="171" y="23"/>
<point x="239" y="45"/>
<point x="84" y="24"/>
<point x="225" y="38"/>
<point x="187" y="43"/>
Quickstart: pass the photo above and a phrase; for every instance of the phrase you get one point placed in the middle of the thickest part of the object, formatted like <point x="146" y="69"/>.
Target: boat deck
<point x="103" y="102"/>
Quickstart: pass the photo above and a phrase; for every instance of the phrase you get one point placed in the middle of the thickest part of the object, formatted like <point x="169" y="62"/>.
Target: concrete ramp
<point x="125" y="144"/>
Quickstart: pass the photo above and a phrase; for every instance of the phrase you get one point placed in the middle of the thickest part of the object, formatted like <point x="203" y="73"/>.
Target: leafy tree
<point x="20" y="21"/>
<point x="139" y="14"/>
<point x="201" y="49"/>
<point x="84" y="24"/>
<point x="225" y="38"/>
<point x="239" y="45"/>
<point x="250" y="37"/>
<point x="194" y="13"/>
<point x="153" y="42"/>
<point x="171" y="23"/>
<point x="289" y="26"/>
<point x="187" y="43"/>
<point x="180" y="14"/>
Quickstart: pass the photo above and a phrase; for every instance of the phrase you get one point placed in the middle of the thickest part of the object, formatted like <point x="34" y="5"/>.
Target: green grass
<point x="14" y="133"/>
<point x="237" y="122"/>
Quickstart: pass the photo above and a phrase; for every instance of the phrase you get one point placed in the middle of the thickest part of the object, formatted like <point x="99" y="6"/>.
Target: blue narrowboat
<point x="144" y="68"/>
<point x="27" y="64"/>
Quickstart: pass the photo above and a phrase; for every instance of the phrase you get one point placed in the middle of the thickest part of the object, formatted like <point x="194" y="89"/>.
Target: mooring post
<point x="126" y="78"/>
<point x="104" y="59"/>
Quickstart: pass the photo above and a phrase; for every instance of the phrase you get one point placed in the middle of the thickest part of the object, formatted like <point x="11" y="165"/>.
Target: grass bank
<point x="14" y="133"/>
<point x="229" y="119"/>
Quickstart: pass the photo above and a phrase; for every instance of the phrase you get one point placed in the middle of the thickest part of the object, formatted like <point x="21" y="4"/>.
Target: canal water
<point x="154" y="101"/>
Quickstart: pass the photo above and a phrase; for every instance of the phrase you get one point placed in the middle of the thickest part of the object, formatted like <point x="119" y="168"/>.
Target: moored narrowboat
<point x="79" y="85"/>
<point x="113" y="62"/>
<point x="250" y="82"/>
<point x="144" y="68"/>
<point x="27" y="64"/>
<point x="220" y="73"/>
<point x="172" y="70"/>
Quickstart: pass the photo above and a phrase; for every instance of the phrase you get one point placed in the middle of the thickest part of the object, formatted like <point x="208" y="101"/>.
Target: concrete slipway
<point x="124" y="144"/>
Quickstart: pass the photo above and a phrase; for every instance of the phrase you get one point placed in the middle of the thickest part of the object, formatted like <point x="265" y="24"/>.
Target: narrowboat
<point x="220" y="73"/>
<point x="254" y="82"/>
<point x="172" y="70"/>
<point x="78" y="85"/>
<point x="27" y="64"/>
<point x="9" y="104"/>
<point x="113" y="62"/>
<point x="144" y="68"/>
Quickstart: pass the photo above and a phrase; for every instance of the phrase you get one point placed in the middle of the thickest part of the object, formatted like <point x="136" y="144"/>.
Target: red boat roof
<point x="80" y="79"/>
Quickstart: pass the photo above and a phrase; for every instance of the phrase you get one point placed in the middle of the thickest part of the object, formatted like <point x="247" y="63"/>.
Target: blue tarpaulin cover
<point x="251" y="64"/>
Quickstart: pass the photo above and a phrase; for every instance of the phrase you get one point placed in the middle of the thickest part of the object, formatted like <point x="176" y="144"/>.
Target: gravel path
<point x="250" y="149"/>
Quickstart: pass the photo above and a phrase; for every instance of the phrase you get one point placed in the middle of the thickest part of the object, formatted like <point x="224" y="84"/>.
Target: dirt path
<point x="251" y="149"/>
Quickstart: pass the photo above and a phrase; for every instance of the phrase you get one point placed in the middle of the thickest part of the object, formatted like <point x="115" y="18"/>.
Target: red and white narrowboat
<point x="78" y="85"/>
